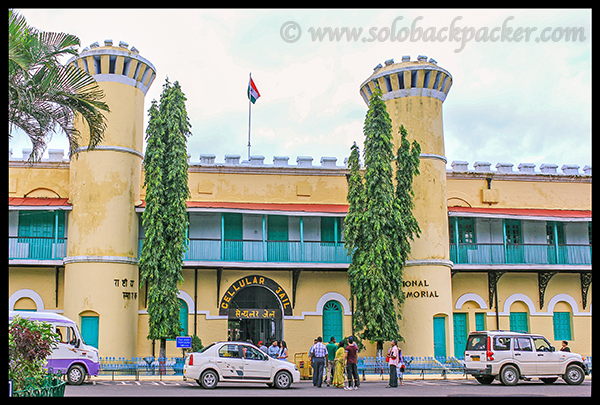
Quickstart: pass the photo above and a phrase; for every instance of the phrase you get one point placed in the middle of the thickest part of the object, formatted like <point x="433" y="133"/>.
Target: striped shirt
<point x="318" y="350"/>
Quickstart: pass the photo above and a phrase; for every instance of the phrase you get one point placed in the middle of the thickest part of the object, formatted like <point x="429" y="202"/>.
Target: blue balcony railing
<point x="39" y="248"/>
<point x="498" y="253"/>
<point x="48" y="248"/>
<point x="265" y="251"/>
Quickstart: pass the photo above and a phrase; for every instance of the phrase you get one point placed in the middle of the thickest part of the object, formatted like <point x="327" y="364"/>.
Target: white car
<point x="238" y="362"/>
<point x="510" y="356"/>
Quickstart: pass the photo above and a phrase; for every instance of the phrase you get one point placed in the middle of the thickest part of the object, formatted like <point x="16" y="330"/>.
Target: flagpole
<point x="249" y="117"/>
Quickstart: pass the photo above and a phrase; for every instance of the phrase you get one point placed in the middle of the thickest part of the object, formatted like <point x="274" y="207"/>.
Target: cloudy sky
<point x="525" y="100"/>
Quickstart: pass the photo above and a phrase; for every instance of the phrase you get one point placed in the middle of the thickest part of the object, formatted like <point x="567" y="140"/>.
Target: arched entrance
<point x="255" y="315"/>
<point x="255" y="306"/>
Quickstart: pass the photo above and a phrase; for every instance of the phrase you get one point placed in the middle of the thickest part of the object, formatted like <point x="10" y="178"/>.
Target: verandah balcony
<point x="498" y="253"/>
<point x="265" y="251"/>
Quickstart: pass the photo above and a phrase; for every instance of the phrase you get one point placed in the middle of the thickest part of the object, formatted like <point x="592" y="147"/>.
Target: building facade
<point x="500" y="248"/>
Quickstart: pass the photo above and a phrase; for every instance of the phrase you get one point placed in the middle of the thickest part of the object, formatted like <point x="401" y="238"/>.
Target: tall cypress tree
<point x="165" y="217"/>
<point x="407" y="166"/>
<point x="377" y="228"/>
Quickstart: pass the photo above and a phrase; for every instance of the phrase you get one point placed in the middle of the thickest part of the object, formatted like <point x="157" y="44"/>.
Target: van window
<point x="501" y="343"/>
<point x="67" y="334"/>
<point x="477" y="342"/>
<point x="523" y="344"/>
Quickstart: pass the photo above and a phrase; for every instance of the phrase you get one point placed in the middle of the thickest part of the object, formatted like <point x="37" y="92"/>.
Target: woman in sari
<point x="338" y="375"/>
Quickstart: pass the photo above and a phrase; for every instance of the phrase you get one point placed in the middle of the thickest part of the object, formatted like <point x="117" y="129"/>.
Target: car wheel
<point x="283" y="380"/>
<point x="509" y="375"/>
<point x="485" y="380"/>
<point x="209" y="379"/>
<point x="574" y="375"/>
<point x="75" y="375"/>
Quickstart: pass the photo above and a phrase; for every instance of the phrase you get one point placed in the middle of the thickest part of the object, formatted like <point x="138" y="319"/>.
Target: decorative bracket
<point x="296" y="276"/>
<point x="586" y="281"/>
<point x="543" y="280"/>
<point x="493" y="277"/>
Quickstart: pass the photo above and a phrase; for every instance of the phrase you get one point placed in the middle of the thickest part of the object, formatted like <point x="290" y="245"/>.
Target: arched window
<point x="332" y="321"/>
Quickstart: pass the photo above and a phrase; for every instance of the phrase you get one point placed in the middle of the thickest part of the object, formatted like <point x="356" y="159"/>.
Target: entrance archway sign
<point x="255" y="281"/>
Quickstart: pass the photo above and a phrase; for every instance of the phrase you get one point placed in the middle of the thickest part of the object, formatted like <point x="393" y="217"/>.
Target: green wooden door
<point x="277" y="239"/>
<point x="460" y="334"/>
<point x="332" y="321"/>
<point x="90" y="327"/>
<point x="439" y="336"/>
<point x="232" y="236"/>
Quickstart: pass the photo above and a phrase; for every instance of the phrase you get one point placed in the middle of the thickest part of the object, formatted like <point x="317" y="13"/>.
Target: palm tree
<point x="45" y="96"/>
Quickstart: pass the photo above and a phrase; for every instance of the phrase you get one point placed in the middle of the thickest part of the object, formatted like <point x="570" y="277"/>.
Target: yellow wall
<point x="522" y="191"/>
<point x="24" y="178"/>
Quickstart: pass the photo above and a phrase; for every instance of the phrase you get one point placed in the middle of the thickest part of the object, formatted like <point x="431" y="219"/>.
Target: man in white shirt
<point x="394" y="361"/>
<point x="318" y="354"/>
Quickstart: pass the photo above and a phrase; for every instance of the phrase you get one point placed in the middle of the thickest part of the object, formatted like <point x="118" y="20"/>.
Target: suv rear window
<point x="477" y="342"/>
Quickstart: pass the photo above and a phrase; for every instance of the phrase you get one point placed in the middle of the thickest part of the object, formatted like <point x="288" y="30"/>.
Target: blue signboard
<point x="184" y="342"/>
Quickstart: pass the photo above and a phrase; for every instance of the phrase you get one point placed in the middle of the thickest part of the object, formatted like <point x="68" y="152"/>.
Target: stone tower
<point x="101" y="267"/>
<point x="413" y="92"/>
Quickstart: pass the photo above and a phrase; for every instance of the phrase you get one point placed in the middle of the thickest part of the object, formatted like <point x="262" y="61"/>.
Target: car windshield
<point x="477" y="342"/>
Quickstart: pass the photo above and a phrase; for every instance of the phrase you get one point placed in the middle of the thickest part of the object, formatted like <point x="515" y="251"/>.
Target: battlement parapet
<point x="459" y="166"/>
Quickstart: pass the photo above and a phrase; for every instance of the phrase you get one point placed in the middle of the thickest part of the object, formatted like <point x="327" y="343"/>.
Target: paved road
<point x="305" y="388"/>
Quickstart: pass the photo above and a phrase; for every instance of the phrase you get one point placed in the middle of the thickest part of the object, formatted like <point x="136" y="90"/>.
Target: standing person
<point x="331" y="349"/>
<point x="401" y="367"/>
<point x="262" y="346"/>
<point x="312" y="364"/>
<point x="338" y="375"/>
<point x="394" y="361"/>
<point x="283" y="353"/>
<point x="318" y="354"/>
<point x="565" y="346"/>
<point x="273" y="350"/>
<point x="352" y="364"/>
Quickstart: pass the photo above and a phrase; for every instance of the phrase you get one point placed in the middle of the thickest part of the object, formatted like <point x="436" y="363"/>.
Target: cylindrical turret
<point x="101" y="271"/>
<point x="413" y="92"/>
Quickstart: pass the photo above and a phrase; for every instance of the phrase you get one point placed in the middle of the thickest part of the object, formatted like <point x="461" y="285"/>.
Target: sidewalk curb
<point x="369" y="378"/>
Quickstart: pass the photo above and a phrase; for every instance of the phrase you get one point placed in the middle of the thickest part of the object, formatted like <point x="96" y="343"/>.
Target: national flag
<point x="253" y="93"/>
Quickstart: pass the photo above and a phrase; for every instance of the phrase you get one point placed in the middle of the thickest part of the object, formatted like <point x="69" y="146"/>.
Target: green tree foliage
<point x="29" y="344"/>
<point x="407" y="166"/>
<point x="379" y="225"/>
<point x="45" y="96"/>
<point x="165" y="217"/>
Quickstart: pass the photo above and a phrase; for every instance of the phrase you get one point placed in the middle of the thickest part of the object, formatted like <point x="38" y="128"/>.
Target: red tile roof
<point x="533" y="212"/>
<point x="37" y="202"/>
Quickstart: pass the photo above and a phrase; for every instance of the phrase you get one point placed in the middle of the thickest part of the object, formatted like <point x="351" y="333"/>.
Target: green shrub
<point x="29" y="344"/>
